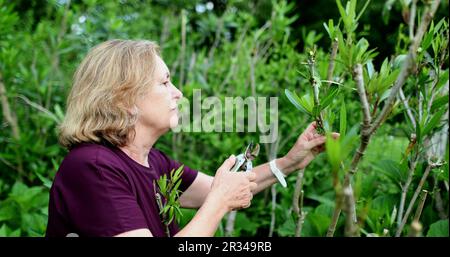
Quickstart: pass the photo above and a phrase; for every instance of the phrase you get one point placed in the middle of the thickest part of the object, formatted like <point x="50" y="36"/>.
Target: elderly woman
<point x="121" y="102"/>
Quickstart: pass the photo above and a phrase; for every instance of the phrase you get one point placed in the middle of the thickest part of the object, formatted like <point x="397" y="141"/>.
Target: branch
<point x="412" y="17"/>
<point x="423" y="198"/>
<point x="405" y="189"/>
<point x="414" y="198"/>
<point x="297" y="203"/>
<point x="351" y="228"/>
<point x="406" y="67"/>
<point x="312" y="68"/>
<point x="9" y="116"/>
<point x="334" y="48"/>
<point x="408" y="109"/>
<point x="272" y="213"/>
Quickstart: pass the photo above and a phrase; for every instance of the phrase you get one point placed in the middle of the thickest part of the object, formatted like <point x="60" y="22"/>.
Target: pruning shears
<point x="244" y="160"/>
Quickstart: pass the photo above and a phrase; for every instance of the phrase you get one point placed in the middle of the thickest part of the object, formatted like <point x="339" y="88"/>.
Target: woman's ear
<point x="134" y="111"/>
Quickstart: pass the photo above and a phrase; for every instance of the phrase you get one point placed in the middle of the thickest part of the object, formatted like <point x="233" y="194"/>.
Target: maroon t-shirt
<point x="100" y="191"/>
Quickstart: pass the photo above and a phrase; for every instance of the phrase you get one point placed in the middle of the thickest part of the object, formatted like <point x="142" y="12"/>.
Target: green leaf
<point x="439" y="102"/>
<point x="435" y="121"/>
<point x="438" y="229"/>
<point x="295" y="100"/>
<point x="332" y="93"/>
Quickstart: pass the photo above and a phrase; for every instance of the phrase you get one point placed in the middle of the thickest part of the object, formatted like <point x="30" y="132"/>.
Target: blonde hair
<point x="105" y="88"/>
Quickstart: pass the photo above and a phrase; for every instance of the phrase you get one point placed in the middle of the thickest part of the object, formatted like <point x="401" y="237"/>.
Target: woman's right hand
<point x="233" y="189"/>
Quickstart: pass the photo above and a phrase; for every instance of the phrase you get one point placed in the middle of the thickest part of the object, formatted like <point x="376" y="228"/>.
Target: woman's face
<point x="158" y="108"/>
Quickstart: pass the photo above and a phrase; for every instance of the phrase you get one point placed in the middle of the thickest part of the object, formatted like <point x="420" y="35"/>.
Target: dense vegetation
<point x="375" y="71"/>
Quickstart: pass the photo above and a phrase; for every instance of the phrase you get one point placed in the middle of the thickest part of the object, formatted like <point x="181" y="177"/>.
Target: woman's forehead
<point x="161" y="69"/>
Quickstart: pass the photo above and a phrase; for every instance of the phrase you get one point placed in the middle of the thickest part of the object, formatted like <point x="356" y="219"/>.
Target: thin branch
<point x="405" y="187"/>
<point x="297" y="202"/>
<point x="423" y="198"/>
<point x="359" y="79"/>
<point x="414" y="198"/>
<point x="183" y="48"/>
<point x="438" y="200"/>
<point x="334" y="48"/>
<point x="315" y="84"/>
<point x="351" y="228"/>
<point x="412" y="17"/>
<point x="272" y="212"/>
<point x="406" y="67"/>
<point x="408" y="109"/>
<point x="10" y="117"/>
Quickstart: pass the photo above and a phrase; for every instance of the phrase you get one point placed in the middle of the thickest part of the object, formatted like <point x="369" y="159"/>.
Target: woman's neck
<point x="139" y="147"/>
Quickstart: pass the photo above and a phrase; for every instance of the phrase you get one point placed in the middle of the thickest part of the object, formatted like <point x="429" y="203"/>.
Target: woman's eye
<point x="166" y="83"/>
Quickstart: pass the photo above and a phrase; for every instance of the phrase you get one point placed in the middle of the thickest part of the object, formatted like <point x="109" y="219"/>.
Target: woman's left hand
<point x="309" y="144"/>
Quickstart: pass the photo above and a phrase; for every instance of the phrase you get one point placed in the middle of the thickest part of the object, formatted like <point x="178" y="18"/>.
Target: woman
<point x="121" y="102"/>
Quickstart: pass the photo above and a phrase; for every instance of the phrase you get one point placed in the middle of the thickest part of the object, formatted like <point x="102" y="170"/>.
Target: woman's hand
<point x="309" y="144"/>
<point x="233" y="189"/>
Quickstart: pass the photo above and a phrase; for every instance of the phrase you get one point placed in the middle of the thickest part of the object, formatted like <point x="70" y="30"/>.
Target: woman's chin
<point x="174" y="121"/>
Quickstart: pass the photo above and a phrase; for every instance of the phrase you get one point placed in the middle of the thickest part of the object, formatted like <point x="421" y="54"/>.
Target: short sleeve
<point x="99" y="200"/>
<point x="166" y="164"/>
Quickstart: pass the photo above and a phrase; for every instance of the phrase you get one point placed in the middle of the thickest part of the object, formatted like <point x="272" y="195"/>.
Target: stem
<point x="297" y="202"/>
<point x="183" y="48"/>
<point x="272" y="214"/>
<point x="351" y="228"/>
<point x="412" y="17"/>
<point x="7" y="113"/>
<point x="405" y="189"/>
<point x="408" y="109"/>
<point x="334" y="48"/>
<point x="438" y="200"/>
<point x="423" y="198"/>
<point x="311" y="65"/>
<point x="413" y="200"/>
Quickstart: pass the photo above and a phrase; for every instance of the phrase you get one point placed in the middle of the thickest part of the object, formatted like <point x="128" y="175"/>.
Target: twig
<point x="297" y="202"/>
<point x="359" y="79"/>
<point x="408" y="109"/>
<point x="423" y="198"/>
<point x="351" y="228"/>
<point x="412" y="17"/>
<point x="7" y="113"/>
<point x="438" y="200"/>
<point x="273" y="191"/>
<point x="334" y="48"/>
<point x="55" y="55"/>
<point x="414" y="198"/>
<point x="314" y="82"/>
<point x="183" y="48"/>
<point x="405" y="189"/>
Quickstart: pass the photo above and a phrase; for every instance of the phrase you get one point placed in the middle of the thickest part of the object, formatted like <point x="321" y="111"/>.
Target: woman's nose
<point x="177" y="94"/>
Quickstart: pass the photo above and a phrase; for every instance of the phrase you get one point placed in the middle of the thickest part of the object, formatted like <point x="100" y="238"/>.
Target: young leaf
<point x="295" y="100"/>
<point x="434" y="121"/>
<point x="332" y="93"/>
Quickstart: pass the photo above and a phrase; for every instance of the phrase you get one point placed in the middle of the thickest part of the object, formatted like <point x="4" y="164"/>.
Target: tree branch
<point x="297" y="203"/>
<point x="334" y="48"/>
<point x="414" y="198"/>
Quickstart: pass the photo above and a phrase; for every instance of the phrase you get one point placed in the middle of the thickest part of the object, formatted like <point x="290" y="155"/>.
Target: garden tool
<point x="244" y="160"/>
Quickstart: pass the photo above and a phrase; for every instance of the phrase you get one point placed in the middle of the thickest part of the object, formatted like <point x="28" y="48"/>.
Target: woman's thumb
<point x="228" y="163"/>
